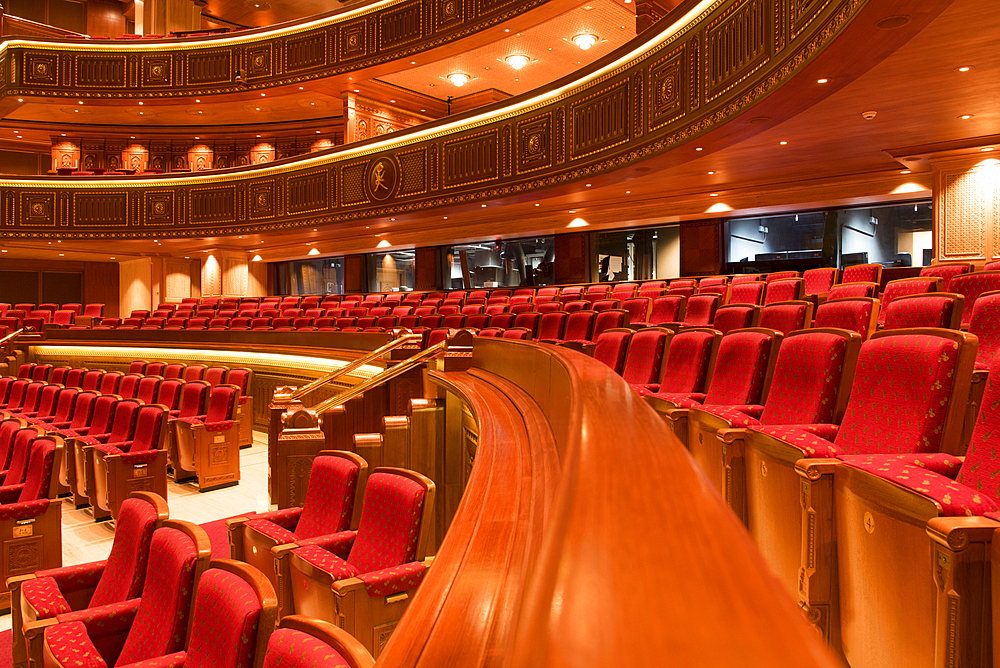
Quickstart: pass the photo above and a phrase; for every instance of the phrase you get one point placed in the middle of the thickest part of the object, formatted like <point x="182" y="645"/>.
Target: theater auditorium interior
<point x="499" y="333"/>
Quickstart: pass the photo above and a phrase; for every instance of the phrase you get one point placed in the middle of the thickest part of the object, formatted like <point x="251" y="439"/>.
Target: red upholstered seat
<point x="385" y="554"/>
<point x="153" y="625"/>
<point x="551" y="326"/>
<point x="736" y="316"/>
<point x="681" y="291"/>
<point x="644" y="357"/>
<point x="63" y="411"/>
<point x="580" y="326"/>
<point x="787" y="316"/>
<point x="128" y="385"/>
<point x="713" y="280"/>
<point x="855" y="314"/>
<point x="48" y="593"/>
<point x="936" y="309"/>
<point x="720" y="289"/>
<point x="529" y="321"/>
<point x="700" y="310"/>
<point x="846" y="290"/>
<point x="862" y="273"/>
<point x="603" y="305"/>
<point x="746" y="278"/>
<point x="517" y="333"/>
<point x="780" y="276"/>
<point x="906" y="286"/>
<point x="542" y="307"/>
<point x="971" y="286"/>
<point x="947" y="272"/>
<point x="609" y="320"/>
<point x="570" y="306"/>
<point x="46" y="403"/>
<point x="624" y="290"/>
<point x="819" y="281"/>
<point x="304" y="642"/>
<point x="985" y="324"/>
<point x="690" y="357"/>
<point x="783" y="290"/>
<point x="750" y="292"/>
<point x="611" y="348"/>
<point x="683" y="283"/>
<point x="638" y="308"/>
<point x="738" y="378"/>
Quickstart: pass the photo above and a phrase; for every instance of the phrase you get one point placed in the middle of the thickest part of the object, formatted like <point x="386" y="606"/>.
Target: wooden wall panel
<point x="355" y="273"/>
<point x="427" y="272"/>
<point x="135" y="286"/>
<point x="573" y="258"/>
<point x="966" y="209"/>
<point x="701" y="247"/>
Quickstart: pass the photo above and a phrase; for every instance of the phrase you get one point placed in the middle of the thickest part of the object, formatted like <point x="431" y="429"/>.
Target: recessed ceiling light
<point x="79" y="102"/>
<point x="111" y="258"/>
<point x="140" y="104"/>
<point x="572" y="211"/>
<point x="62" y="254"/>
<point x="964" y="68"/>
<point x="263" y="95"/>
<point x="413" y="62"/>
<point x="517" y="61"/>
<point x="64" y="134"/>
<point x="301" y="88"/>
<point x="711" y="172"/>
<point x="821" y="81"/>
<point x="537" y="204"/>
<point x="317" y="132"/>
<point x="578" y="222"/>
<point x="197" y="100"/>
<point x="628" y="192"/>
<point x="483" y="205"/>
<point x="392" y="102"/>
<point x="904" y="171"/>
<point x="20" y="100"/>
<point x="458" y="78"/>
<point x="585" y="40"/>
<point x="966" y="117"/>
<point x="5" y="250"/>
<point x="782" y="142"/>
<point x="197" y="137"/>
<point x="713" y="194"/>
<point x="698" y="148"/>
<point x="988" y="148"/>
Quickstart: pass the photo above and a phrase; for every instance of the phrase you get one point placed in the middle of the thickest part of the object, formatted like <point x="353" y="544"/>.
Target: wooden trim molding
<point x="688" y="81"/>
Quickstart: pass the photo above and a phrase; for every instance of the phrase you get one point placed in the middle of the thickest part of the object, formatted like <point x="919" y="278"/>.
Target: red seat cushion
<point x="224" y="621"/>
<point x="288" y="648"/>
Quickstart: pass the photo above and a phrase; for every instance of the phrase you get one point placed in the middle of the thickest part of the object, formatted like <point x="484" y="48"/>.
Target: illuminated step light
<point x="517" y="61"/>
<point x="458" y="78"/>
<point x="585" y="40"/>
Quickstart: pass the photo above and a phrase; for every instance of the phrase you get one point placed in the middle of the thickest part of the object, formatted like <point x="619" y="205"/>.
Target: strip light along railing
<point x="11" y="336"/>
<point x="374" y="381"/>
<point x="351" y="366"/>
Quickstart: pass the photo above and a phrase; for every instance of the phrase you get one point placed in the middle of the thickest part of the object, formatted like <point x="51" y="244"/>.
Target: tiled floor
<point x="85" y="540"/>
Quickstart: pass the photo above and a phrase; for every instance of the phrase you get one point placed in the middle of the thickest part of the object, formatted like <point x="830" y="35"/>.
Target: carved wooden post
<point x="300" y="440"/>
<point x="280" y="402"/>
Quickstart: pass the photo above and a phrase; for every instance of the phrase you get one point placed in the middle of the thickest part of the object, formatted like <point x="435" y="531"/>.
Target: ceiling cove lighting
<point x="458" y="78"/>
<point x="517" y="61"/>
<point x="585" y="40"/>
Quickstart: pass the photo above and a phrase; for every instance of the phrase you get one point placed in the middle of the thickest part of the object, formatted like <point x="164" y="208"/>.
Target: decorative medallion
<point x="534" y="144"/>
<point x="382" y="178"/>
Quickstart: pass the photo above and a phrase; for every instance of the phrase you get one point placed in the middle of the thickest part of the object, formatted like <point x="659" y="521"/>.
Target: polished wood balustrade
<point x="718" y="61"/>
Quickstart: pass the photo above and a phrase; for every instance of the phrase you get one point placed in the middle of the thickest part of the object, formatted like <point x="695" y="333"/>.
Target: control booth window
<point x="391" y="272"/>
<point x="310" y="277"/>
<point x="894" y="236"/>
<point x="644" y="254"/>
<point x="501" y="264"/>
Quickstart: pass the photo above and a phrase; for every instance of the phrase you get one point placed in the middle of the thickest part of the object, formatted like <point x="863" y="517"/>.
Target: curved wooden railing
<point x="720" y="60"/>
<point x="586" y="536"/>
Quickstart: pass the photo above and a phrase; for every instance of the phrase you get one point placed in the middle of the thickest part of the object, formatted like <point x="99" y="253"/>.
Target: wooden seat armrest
<point x="674" y="414"/>
<point x="813" y="469"/>
<point x="732" y="434"/>
<point x="957" y="533"/>
<point x="235" y="529"/>
<point x="348" y="585"/>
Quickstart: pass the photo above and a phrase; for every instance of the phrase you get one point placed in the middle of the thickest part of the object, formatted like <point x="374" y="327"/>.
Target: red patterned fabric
<point x="644" y="357"/>
<point x="981" y="469"/>
<point x="329" y="503"/>
<point x="611" y="348"/>
<point x="389" y="581"/>
<point x="813" y="440"/>
<point x="19" y="456"/>
<point x="288" y="648"/>
<point x="851" y="314"/>
<point x="902" y="287"/>
<point x="338" y="543"/>
<point x="637" y="308"/>
<point x="192" y="399"/>
<point x="869" y="273"/>
<point x="736" y="416"/>
<point x="807" y="375"/>
<point x="899" y="397"/>
<point x="71" y="646"/>
<point x="972" y="285"/>
<point x="955" y="498"/>
<point x="931" y="310"/>
<point x="23" y="510"/>
<point x="161" y="621"/>
<point x="579" y="326"/>
<point x="687" y="362"/>
<point x="666" y="309"/>
<point x="700" y="310"/>
<point x="940" y="463"/>
<point x="610" y="319"/>
<point x="985" y="324"/>
<point x="40" y="464"/>
<point x="946" y="272"/>
<point x="126" y="571"/>
<point x="783" y="290"/>
<point x="735" y="316"/>
<point x="286" y="518"/>
<point x="819" y="281"/>
<point x="276" y="533"/>
<point x="551" y="326"/>
<point x="740" y="368"/>
<point x="745" y="293"/>
<point x="326" y="561"/>
<point x="44" y="596"/>
<point x="175" y="660"/>
<point x="852" y="290"/>
<point x="224" y="622"/>
<point x="390" y="523"/>
<point x="784" y="317"/>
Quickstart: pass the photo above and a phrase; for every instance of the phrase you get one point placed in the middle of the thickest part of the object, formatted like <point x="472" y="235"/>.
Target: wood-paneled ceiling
<point x="828" y="155"/>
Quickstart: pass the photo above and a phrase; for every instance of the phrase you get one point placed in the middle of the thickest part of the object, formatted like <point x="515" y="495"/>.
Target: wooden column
<point x="701" y="247"/>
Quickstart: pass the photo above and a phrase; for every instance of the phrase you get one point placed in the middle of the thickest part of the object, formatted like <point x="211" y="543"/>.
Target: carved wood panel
<point x="471" y="159"/>
<point x="100" y="209"/>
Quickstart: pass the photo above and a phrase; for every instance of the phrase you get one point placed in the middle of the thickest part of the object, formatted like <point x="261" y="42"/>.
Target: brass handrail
<point x="351" y="366"/>
<point x="382" y="377"/>
<point x="12" y="335"/>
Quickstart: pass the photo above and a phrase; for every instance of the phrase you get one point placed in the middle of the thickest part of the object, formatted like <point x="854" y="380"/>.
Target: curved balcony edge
<point x="721" y="61"/>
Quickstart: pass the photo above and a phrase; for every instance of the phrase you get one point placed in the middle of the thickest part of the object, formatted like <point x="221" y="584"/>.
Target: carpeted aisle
<point x="219" y="536"/>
